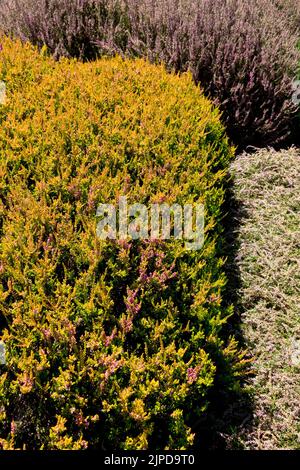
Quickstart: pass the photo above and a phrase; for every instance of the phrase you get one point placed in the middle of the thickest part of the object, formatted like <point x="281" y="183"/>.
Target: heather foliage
<point x="243" y="53"/>
<point x="68" y="27"/>
<point x="114" y="344"/>
<point x="292" y="9"/>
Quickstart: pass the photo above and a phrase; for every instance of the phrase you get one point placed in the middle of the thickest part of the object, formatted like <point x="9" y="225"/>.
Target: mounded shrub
<point x="108" y="344"/>
<point x="242" y="53"/>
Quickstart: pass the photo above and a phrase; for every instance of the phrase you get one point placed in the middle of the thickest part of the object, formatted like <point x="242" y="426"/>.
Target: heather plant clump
<point x="69" y="28"/>
<point x="114" y="344"/>
<point x="242" y="53"/>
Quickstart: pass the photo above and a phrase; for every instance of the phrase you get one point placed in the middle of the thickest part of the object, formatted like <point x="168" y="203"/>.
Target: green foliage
<point x="113" y="344"/>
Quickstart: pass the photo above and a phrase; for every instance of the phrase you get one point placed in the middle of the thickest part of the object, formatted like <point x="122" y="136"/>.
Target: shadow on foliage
<point x="231" y="406"/>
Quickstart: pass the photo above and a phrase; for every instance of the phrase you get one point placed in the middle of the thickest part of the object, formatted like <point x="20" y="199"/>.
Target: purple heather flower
<point x="132" y="306"/>
<point x="192" y="374"/>
<point x="126" y="324"/>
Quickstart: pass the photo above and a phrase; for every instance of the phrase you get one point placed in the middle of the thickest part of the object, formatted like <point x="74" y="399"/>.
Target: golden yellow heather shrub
<point x="108" y="343"/>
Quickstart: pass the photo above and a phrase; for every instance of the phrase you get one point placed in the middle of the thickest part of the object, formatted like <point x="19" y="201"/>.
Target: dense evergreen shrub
<point x="243" y="53"/>
<point x="108" y="344"/>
